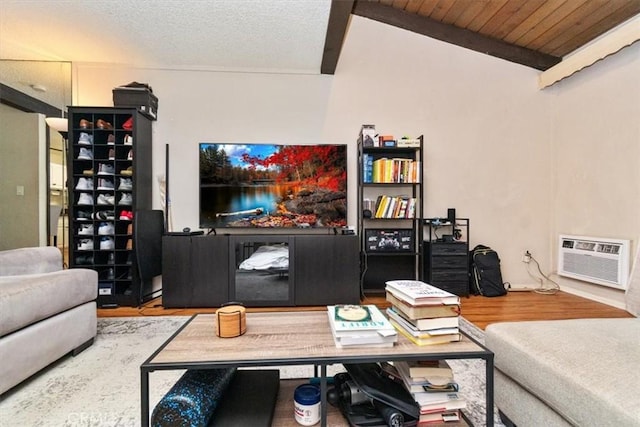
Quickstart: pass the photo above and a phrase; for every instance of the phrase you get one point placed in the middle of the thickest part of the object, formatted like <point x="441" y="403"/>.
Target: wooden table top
<point x="281" y="338"/>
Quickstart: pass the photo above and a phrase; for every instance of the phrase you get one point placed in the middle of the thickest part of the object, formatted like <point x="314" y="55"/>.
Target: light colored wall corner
<point x="596" y="140"/>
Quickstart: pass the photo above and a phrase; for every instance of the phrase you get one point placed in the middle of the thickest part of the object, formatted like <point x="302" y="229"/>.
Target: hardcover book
<point x="425" y="311"/>
<point x="416" y="292"/>
<point x="427" y="325"/>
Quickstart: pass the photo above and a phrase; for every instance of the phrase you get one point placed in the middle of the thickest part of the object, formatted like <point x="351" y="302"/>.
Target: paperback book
<point x="360" y="325"/>
<point x="420" y="333"/>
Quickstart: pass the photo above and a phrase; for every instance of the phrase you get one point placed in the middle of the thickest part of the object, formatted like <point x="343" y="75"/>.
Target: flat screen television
<point x="251" y="185"/>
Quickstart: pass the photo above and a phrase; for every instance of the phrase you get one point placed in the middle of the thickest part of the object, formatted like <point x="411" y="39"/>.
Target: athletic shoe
<point x="130" y="155"/>
<point x="128" y="125"/>
<point x="85" y="199"/>
<point x="105" y="184"/>
<point x="107" y="274"/>
<point x="106" y="229"/>
<point x="105" y="215"/>
<point x="125" y="184"/>
<point x="107" y="243"/>
<point x="84" y="259"/>
<point x="106" y="169"/>
<point x="111" y="259"/>
<point x="85" y="139"/>
<point x="85" y="154"/>
<point x="129" y="244"/>
<point x="127" y="172"/>
<point x="105" y="199"/>
<point x="126" y="199"/>
<point x="111" y="139"/>
<point x="84" y="184"/>
<point x="112" y="154"/>
<point x="85" y="230"/>
<point x="85" y="245"/>
<point x="130" y="229"/>
<point x="128" y="140"/>
<point x="87" y="172"/>
<point x="126" y="216"/>
<point x="83" y="215"/>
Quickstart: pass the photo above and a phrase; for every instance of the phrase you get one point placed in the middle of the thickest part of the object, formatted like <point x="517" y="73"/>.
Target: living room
<point x="525" y="164"/>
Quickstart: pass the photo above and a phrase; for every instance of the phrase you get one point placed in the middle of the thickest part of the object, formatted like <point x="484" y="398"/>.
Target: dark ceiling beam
<point x="336" y="30"/>
<point x="454" y="35"/>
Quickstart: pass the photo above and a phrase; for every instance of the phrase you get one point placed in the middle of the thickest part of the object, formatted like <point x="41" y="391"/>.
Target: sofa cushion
<point x="585" y="369"/>
<point x="29" y="298"/>
<point x="36" y="260"/>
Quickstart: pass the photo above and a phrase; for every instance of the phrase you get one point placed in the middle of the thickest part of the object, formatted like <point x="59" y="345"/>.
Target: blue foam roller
<point x="192" y="400"/>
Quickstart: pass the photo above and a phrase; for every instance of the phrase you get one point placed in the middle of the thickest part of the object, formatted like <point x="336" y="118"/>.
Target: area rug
<point x="101" y="386"/>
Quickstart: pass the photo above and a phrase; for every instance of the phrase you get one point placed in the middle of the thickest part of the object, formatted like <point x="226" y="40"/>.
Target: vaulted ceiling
<point x="535" y="33"/>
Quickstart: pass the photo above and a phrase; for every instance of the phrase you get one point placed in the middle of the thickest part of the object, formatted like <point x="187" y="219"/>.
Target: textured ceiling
<point x="256" y="35"/>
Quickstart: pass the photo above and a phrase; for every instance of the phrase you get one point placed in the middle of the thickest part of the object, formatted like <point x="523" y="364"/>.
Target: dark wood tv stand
<point x="201" y="271"/>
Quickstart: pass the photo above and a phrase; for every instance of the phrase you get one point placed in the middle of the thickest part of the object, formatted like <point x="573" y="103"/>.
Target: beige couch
<point x="45" y="311"/>
<point x="581" y="372"/>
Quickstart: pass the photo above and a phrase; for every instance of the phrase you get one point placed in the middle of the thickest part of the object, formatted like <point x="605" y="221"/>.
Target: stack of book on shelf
<point x="385" y="170"/>
<point x="433" y="387"/>
<point x="360" y="326"/>
<point x="423" y="313"/>
<point x="395" y="207"/>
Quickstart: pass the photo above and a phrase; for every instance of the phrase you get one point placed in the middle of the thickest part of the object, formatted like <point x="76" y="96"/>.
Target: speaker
<point x="451" y="215"/>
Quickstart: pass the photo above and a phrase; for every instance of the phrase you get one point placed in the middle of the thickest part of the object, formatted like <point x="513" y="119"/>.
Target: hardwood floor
<point x="481" y="311"/>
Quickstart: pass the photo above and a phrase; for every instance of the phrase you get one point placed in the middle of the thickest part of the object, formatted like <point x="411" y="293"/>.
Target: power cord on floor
<point x="552" y="287"/>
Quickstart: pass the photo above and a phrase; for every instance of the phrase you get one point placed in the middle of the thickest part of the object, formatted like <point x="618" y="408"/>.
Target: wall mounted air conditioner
<point x="597" y="260"/>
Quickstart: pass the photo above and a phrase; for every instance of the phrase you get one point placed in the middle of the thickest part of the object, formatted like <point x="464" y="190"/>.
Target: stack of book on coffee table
<point x="423" y="313"/>
<point x="360" y="326"/>
<point x="433" y="387"/>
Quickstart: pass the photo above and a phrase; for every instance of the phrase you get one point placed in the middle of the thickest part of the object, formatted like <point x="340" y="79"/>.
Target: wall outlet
<point x="526" y="257"/>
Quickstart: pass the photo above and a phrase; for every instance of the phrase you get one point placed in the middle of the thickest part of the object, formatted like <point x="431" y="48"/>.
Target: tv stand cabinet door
<point x="195" y="271"/>
<point x="326" y="270"/>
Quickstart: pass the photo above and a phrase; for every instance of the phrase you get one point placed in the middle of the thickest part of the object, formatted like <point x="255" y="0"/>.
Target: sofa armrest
<point x="36" y="260"/>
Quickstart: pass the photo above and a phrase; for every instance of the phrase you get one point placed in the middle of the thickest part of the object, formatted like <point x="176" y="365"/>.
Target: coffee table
<point x="290" y="338"/>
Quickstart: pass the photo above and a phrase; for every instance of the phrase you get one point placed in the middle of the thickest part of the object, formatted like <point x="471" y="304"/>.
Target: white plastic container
<point x="306" y="401"/>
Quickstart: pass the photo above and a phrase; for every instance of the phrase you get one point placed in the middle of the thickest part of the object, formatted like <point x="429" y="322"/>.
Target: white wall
<point x="489" y="131"/>
<point x="596" y="138"/>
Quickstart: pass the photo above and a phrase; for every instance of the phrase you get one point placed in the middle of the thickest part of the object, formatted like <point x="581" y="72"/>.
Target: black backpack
<point x="484" y="267"/>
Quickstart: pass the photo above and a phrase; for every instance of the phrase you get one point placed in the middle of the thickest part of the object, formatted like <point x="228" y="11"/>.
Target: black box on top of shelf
<point x="137" y="97"/>
<point x="397" y="240"/>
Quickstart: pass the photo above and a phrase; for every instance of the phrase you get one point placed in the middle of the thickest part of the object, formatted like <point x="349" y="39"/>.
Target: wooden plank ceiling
<point x="534" y="33"/>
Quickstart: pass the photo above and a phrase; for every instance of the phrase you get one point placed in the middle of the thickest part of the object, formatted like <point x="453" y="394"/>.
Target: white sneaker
<point x="85" y="154"/>
<point x="112" y="154"/>
<point x="106" y="169"/>
<point x="125" y="184"/>
<point x="130" y="155"/>
<point x="85" y="139"/>
<point x="85" y="184"/>
<point x="107" y="243"/>
<point x="85" y="230"/>
<point x="105" y="184"/>
<point x="85" y="199"/>
<point x="126" y="199"/>
<point x="85" y="245"/>
<point x="128" y="140"/>
<point x="106" y="199"/>
<point x="106" y="229"/>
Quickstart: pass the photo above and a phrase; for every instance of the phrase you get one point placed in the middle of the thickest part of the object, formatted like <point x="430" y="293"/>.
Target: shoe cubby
<point x="109" y="169"/>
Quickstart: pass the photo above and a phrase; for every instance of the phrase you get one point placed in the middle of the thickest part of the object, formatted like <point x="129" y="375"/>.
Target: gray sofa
<point x="45" y="311"/>
<point x="582" y="372"/>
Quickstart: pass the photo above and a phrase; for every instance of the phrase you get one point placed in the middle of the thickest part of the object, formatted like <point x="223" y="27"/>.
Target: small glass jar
<point x="306" y="401"/>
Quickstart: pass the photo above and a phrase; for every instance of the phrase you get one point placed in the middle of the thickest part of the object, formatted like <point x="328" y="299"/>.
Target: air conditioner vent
<point x="596" y="260"/>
